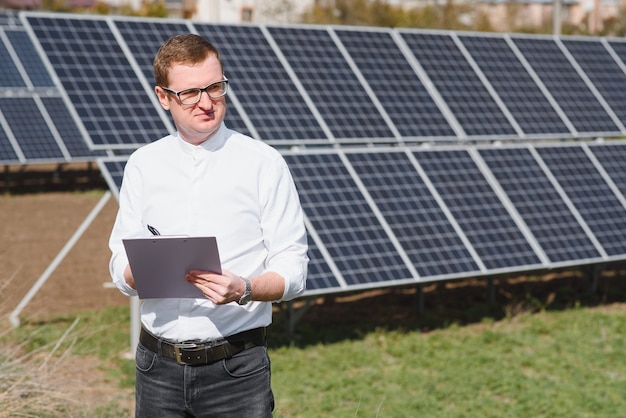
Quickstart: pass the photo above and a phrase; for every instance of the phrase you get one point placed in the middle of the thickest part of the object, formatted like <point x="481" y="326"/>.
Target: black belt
<point x="204" y="353"/>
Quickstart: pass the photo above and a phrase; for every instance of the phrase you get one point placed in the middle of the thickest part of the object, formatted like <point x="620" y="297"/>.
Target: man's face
<point x="197" y="122"/>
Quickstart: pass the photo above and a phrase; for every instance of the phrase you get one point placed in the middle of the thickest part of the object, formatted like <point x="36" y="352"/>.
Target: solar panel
<point x="9" y="74"/>
<point x="481" y="215"/>
<point x="270" y="98"/>
<point x="144" y="38"/>
<point x="9" y="18"/>
<point x="461" y="88"/>
<point x="71" y="136"/>
<point x="403" y="198"/>
<point x="618" y="46"/>
<point x="99" y="80"/>
<point x="515" y="86"/>
<point x="602" y="70"/>
<point x="396" y="84"/>
<point x="590" y="194"/>
<point x="112" y="169"/>
<point x="340" y="98"/>
<point x="31" y="61"/>
<point x="537" y="201"/>
<point x="612" y="157"/>
<point x="8" y="155"/>
<point x="344" y="221"/>
<point x="566" y="86"/>
<point x="320" y="278"/>
<point x="35" y="139"/>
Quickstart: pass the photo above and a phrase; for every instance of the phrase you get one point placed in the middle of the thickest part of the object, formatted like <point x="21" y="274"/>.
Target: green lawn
<point x="549" y="364"/>
<point x="539" y="362"/>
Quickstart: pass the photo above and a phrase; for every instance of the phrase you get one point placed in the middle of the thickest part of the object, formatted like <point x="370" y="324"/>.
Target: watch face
<point x="247" y="294"/>
<point x="245" y="298"/>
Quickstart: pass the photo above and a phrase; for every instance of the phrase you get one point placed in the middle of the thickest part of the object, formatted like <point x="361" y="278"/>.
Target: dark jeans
<point x="237" y="387"/>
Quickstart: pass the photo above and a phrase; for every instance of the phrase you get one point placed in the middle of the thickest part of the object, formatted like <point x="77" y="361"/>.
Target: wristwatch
<point x="247" y="294"/>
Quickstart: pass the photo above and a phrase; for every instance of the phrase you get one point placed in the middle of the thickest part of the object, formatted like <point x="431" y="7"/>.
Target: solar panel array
<point x="400" y="215"/>
<point x="321" y="85"/>
<point x="350" y="108"/>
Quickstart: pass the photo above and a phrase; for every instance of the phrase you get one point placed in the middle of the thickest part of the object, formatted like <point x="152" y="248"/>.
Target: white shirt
<point x="232" y="187"/>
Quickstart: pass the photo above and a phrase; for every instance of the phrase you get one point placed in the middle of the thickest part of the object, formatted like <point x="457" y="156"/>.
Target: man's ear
<point x="162" y="96"/>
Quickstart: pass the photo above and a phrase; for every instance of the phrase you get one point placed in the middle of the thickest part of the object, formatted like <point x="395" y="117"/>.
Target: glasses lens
<point x="218" y="89"/>
<point x="190" y="96"/>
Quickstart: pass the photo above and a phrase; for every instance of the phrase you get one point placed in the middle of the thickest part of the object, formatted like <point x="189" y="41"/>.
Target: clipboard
<point x="159" y="264"/>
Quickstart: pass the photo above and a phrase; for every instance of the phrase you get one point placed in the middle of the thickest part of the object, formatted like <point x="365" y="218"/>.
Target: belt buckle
<point x="182" y="346"/>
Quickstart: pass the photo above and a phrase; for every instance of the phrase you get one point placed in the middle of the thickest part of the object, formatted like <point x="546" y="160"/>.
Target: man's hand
<point x="218" y="288"/>
<point x="128" y="277"/>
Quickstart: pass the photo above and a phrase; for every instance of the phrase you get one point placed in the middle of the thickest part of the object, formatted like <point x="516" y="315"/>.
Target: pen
<point x="153" y="230"/>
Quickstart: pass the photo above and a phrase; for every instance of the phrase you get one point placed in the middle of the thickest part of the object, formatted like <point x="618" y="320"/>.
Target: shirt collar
<point x="214" y="143"/>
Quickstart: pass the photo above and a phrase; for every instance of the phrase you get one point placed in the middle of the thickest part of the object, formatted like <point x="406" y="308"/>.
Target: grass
<point x="558" y="353"/>
<point x="548" y="364"/>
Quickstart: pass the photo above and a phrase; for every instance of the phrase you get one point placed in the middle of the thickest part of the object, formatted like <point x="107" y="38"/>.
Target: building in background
<point x="237" y="11"/>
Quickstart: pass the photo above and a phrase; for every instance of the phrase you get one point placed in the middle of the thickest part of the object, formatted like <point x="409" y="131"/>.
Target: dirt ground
<point x="35" y="229"/>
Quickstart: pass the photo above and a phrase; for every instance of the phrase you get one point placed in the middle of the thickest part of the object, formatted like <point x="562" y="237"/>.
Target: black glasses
<point x="193" y="96"/>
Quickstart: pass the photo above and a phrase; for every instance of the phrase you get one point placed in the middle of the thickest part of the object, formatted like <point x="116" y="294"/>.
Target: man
<point x="208" y="357"/>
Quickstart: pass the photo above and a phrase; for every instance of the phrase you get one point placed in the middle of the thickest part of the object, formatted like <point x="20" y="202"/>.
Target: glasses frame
<point x="201" y="89"/>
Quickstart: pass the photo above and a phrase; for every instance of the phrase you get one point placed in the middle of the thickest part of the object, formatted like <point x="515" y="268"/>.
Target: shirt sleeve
<point x="127" y="224"/>
<point x="284" y="233"/>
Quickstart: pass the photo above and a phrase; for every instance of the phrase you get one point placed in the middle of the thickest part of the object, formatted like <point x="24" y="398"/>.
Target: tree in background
<point x="381" y="13"/>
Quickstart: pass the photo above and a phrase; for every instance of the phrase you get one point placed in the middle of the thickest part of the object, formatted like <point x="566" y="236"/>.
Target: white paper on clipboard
<point x="159" y="264"/>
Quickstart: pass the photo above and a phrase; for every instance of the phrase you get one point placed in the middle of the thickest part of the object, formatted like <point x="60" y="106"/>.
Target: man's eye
<point x="189" y="94"/>
<point x="215" y="88"/>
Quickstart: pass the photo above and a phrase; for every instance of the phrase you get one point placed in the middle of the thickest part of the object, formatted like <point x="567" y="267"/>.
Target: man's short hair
<point x="181" y="49"/>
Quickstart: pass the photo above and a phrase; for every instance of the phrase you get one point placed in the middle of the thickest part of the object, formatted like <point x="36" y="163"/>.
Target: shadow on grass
<point x="348" y="316"/>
